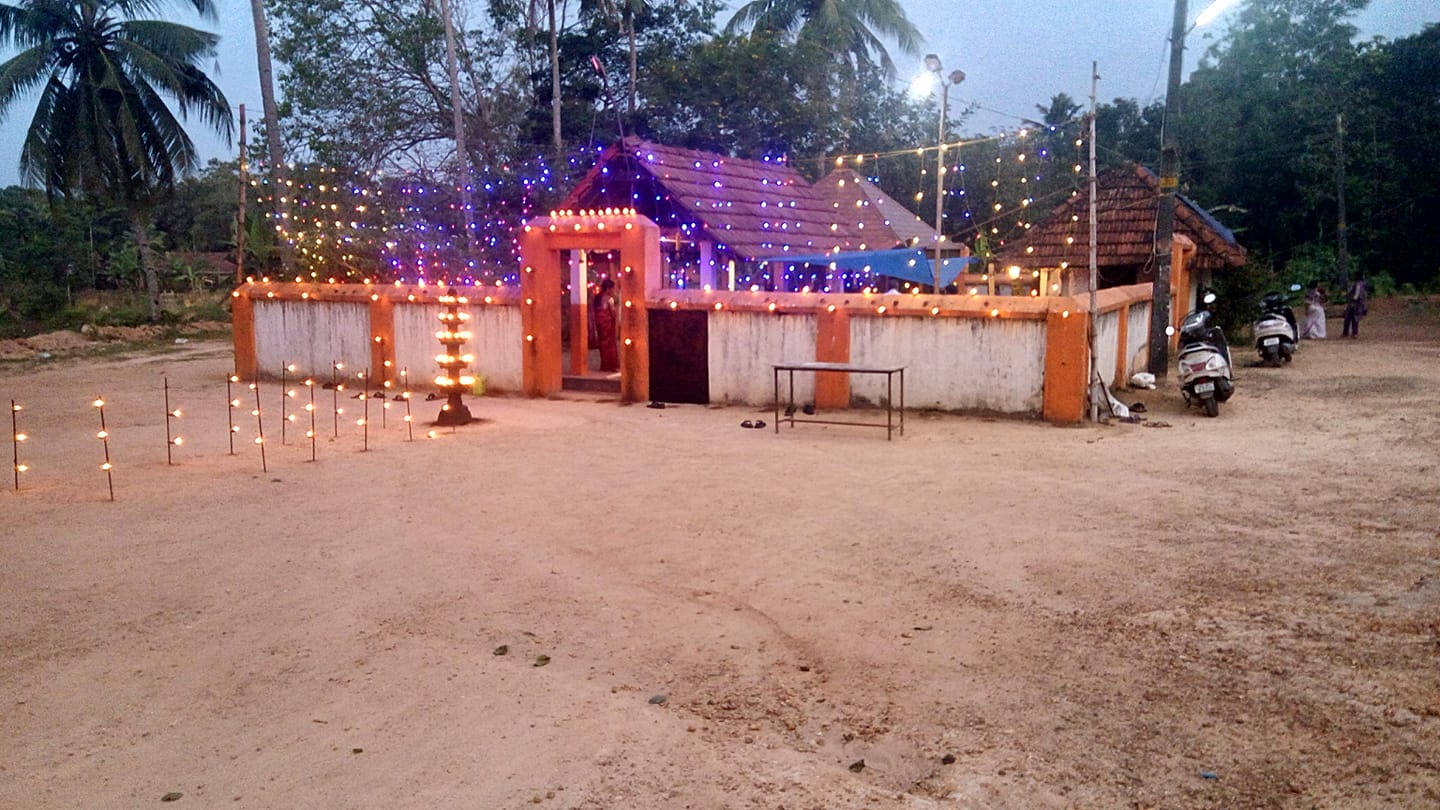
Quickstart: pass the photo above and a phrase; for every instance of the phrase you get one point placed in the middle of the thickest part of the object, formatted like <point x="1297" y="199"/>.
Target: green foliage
<point x="1310" y="263"/>
<point x="114" y="310"/>
<point x="850" y="33"/>
<point x="200" y="215"/>
<point x="366" y="93"/>
<point x="1238" y="294"/>
<point x="1125" y="132"/>
<point x="102" y="128"/>
<point x="1382" y="284"/>
<point x="45" y="253"/>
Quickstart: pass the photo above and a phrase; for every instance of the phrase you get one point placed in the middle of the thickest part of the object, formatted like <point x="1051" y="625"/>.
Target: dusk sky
<point x="1027" y="56"/>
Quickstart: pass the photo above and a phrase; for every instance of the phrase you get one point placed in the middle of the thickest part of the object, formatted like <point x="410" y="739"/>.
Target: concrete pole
<point x="1165" y="209"/>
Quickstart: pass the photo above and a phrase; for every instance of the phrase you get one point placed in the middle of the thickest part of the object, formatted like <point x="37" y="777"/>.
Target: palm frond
<point x="21" y="74"/>
<point x="136" y="8"/>
<point x="34" y="23"/>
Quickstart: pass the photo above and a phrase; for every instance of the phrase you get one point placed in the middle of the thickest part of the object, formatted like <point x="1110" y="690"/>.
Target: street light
<point x="1169" y="184"/>
<point x="932" y="64"/>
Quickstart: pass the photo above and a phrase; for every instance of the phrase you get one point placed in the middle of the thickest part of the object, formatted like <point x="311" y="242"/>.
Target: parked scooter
<point x="1276" y="333"/>
<point x="1204" y="358"/>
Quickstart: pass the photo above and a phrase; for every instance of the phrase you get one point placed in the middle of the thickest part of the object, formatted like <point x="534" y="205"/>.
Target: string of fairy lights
<point x="350" y="226"/>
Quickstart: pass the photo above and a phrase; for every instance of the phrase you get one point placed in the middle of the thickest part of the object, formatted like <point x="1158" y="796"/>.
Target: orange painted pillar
<point x="382" y="339"/>
<point x="1067" y="366"/>
<point x="242" y="322"/>
<point x="639" y="257"/>
<point x="832" y="345"/>
<point x="542" y="354"/>
<point x="1181" y="249"/>
<point x="1122" y="342"/>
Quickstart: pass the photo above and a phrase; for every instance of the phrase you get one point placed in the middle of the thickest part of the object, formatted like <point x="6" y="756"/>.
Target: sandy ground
<point x="575" y="604"/>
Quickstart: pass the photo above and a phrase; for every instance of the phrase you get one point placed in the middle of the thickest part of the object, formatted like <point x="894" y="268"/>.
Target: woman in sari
<point x="605" y="311"/>
<point x="1314" y="312"/>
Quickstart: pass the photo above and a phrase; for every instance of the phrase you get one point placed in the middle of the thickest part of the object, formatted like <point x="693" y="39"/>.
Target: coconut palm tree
<point x="279" y="170"/>
<point x="852" y="29"/>
<point x="101" y="127"/>
<point x="1061" y="110"/>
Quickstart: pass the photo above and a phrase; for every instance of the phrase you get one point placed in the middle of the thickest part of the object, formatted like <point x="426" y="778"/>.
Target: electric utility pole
<point x="1165" y="209"/>
<point x="1342" y="248"/>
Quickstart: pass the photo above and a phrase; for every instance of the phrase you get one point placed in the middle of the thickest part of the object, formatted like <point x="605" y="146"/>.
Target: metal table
<point x="888" y="371"/>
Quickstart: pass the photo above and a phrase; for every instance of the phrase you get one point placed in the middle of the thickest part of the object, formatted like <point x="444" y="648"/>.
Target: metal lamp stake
<point x="385" y="387"/>
<point x="15" y="438"/>
<point x="310" y="434"/>
<point x="284" y="394"/>
<point x="405" y="395"/>
<point x="365" y="417"/>
<point x="335" y="388"/>
<point x="171" y="440"/>
<point x="290" y="393"/>
<point x="104" y="437"/>
<point x="259" y="427"/>
<point x="232" y="402"/>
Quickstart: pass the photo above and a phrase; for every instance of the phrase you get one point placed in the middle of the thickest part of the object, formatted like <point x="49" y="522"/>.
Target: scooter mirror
<point x="1169" y="331"/>
<point x="1209" y="297"/>
<point x="1295" y="288"/>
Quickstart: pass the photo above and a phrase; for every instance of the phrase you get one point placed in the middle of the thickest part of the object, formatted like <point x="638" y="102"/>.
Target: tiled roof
<point x="1126" y="199"/>
<point x="755" y="208"/>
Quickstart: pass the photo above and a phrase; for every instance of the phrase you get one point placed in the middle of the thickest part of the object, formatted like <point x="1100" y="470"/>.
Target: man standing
<point x="1355" y="307"/>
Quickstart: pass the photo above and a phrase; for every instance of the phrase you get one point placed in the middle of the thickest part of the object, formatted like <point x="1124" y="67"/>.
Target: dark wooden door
<point x="679" y="356"/>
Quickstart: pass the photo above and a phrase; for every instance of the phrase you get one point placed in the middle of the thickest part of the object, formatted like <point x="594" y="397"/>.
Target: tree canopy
<point x="1286" y="111"/>
<point x="101" y="127"/>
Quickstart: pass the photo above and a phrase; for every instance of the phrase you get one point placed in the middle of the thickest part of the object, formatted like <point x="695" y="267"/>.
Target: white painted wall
<point x="495" y="340"/>
<point x="744" y="346"/>
<point x="1138" y="336"/>
<point x="1108" y="361"/>
<point x="953" y="363"/>
<point x="312" y="335"/>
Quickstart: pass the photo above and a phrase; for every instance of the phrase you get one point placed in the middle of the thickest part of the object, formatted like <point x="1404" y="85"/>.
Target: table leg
<point x="777" y="400"/>
<point x="791" y="403"/>
<point x="902" y="402"/>
<point x="889" y="405"/>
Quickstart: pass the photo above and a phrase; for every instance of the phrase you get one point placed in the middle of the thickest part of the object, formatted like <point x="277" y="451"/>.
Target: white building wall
<point x="1137" y="336"/>
<point x="495" y="340"/>
<point x="744" y="346"/>
<point x="1108" y="361"/>
<point x="312" y="336"/>
<point x="953" y="363"/>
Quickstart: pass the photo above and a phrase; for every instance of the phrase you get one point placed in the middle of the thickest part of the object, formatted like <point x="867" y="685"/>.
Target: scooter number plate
<point x="1271" y="341"/>
<point x="1204" y="387"/>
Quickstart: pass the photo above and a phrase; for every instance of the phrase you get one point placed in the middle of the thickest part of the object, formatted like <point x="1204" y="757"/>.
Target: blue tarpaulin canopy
<point x="909" y="264"/>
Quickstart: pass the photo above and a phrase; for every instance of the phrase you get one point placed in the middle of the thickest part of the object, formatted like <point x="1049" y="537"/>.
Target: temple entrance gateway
<point x="556" y="246"/>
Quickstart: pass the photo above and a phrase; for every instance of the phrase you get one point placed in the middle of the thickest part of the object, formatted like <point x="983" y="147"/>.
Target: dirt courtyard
<point x="575" y="604"/>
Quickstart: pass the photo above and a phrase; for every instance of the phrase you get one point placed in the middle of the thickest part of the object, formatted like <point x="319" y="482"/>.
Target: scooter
<point x="1276" y="333"/>
<point x="1204" y="358"/>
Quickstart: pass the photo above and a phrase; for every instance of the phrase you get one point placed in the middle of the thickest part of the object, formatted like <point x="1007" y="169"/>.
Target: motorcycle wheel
<point x="1211" y="405"/>
<point x="1271" y="356"/>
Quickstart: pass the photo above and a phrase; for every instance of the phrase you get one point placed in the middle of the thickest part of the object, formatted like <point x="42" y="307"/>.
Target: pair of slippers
<point x="808" y="410"/>
<point x="758" y="424"/>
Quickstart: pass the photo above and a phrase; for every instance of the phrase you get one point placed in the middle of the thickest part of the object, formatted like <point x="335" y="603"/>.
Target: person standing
<point x="1315" y="312"/>
<point x="606" y="314"/>
<point x="1356" y="300"/>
